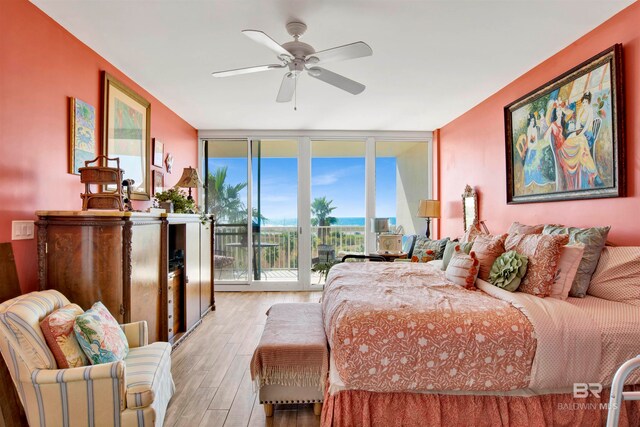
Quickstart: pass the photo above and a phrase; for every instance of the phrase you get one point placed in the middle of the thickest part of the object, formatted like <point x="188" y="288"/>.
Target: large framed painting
<point x="565" y="140"/>
<point x="82" y="146"/>
<point x="126" y="123"/>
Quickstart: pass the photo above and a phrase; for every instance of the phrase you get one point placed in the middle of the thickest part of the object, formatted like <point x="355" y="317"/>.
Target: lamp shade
<point x="429" y="209"/>
<point x="189" y="178"/>
<point x="379" y="225"/>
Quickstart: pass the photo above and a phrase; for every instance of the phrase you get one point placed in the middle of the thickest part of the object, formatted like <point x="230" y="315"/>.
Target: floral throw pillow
<point x="425" y="244"/>
<point x="57" y="329"/>
<point x="508" y="270"/>
<point x="543" y="252"/>
<point x="100" y="336"/>
<point x="422" y="255"/>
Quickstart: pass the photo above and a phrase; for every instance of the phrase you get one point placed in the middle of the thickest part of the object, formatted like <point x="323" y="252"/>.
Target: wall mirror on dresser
<point x="469" y="207"/>
<point x="142" y="266"/>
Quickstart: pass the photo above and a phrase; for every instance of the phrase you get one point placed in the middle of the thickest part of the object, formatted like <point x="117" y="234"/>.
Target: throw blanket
<point x="403" y="327"/>
<point x="293" y="348"/>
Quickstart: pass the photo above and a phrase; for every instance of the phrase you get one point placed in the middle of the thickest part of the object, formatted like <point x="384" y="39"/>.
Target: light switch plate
<point x="22" y="230"/>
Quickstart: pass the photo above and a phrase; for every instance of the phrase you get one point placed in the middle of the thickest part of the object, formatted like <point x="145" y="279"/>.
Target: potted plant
<point x="181" y="204"/>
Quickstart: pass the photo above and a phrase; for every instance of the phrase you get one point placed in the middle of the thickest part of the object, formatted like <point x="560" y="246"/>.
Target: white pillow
<point x="568" y="263"/>
<point x="617" y="276"/>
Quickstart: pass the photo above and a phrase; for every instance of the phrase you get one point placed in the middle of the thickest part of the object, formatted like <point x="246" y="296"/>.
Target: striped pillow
<point x="462" y="269"/>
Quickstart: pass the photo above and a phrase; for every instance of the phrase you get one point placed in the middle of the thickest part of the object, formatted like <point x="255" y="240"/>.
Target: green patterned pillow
<point x="437" y="246"/>
<point x="100" y="336"/>
<point x="450" y="249"/>
<point x="508" y="270"/>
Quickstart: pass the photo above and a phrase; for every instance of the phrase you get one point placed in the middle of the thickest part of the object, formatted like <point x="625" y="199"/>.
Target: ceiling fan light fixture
<point x="314" y="71"/>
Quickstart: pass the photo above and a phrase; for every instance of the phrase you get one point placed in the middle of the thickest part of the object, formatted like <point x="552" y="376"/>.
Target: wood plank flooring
<point x="211" y="368"/>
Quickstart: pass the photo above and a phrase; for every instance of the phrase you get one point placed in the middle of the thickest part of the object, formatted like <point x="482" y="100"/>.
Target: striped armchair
<point x="131" y="392"/>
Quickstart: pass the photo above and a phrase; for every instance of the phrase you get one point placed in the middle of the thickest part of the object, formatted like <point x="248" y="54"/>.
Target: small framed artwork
<point x="565" y="140"/>
<point x="158" y="153"/>
<point x="82" y="143"/>
<point x="158" y="182"/>
<point x="169" y="162"/>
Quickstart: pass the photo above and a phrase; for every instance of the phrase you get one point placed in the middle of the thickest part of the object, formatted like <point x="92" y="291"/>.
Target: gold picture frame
<point x="126" y="133"/>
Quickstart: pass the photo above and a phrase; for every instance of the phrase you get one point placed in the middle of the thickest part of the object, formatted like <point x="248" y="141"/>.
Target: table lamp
<point x="189" y="179"/>
<point x="429" y="209"/>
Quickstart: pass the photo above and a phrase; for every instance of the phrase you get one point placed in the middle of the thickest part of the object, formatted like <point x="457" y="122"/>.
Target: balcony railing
<point x="277" y="247"/>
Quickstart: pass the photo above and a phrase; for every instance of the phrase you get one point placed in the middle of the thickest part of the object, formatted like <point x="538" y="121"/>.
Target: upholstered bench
<point x="291" y="362"/>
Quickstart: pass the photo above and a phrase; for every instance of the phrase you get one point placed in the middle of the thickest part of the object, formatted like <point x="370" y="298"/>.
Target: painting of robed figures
<point x="565" y="140"/>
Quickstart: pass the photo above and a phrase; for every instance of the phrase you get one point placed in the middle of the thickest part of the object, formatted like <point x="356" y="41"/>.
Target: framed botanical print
<point x="82" y="144"/>
<point x="566" y="140"/>
<point x="126" y="122"/>
<point x="158" y="182"/>
<point x="158" y="153"/>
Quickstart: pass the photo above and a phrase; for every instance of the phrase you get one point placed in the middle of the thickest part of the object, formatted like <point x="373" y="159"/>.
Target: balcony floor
<point x="269" y="275"/>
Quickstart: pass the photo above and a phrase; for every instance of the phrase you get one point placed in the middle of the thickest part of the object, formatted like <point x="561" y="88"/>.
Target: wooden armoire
<point x="142" y="266"/>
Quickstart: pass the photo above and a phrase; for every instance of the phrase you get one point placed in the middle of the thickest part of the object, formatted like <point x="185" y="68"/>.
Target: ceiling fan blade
<point x="246" y="70"/>
<point x="336" y="80"/>
<point x="287" y="88"/>
<point x="343" y="53"/>
<point x="265" y="40"/>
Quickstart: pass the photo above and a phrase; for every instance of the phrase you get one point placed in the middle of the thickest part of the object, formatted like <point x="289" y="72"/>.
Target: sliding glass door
<point x="287" y="208"/>
<point x="275" y="209"/>
<point x="226" y="190"/>
<point x="338" y="215"/>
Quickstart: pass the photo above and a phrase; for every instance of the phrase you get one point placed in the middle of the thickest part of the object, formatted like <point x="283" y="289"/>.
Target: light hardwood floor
<point x="211" y="368"/>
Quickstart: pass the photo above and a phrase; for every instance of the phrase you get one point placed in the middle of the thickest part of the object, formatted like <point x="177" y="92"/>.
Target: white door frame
<point x="304" y="139"/>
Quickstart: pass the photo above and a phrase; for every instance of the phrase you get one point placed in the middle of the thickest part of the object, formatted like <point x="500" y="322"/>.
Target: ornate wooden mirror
<point x="469" y="207"/>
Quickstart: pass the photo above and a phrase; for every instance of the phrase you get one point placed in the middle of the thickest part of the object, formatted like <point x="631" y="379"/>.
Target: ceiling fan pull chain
<point x="295" y="95"/>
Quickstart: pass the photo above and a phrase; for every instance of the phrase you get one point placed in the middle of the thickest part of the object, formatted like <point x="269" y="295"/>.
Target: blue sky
<point x="339" y="179"/>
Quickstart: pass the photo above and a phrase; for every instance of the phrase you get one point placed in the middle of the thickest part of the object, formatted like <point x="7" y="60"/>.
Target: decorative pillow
<point x="570" y="257"/>
<point x="57" y="329"/>
<point x="450" y="249"/>
<point x="463" y="269"/>
<point x="470" y="235"/>
<point x="543" y="252"/>
<point x="437" y="246"/>
<point x="100" y="336"/>
<point x="421" y="255"/>
<point x="617" y="277"/>
<point x="594" y="240"/>
<point x="508" y="270"/>
<point x="517" y="228"/>
<point x="487" y="249"/>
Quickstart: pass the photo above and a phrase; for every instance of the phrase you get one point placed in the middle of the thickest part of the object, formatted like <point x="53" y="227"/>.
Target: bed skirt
<point x="357" y="408"/>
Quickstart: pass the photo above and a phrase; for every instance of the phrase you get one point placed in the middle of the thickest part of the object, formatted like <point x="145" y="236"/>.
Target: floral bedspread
<point x="402" y="327"/>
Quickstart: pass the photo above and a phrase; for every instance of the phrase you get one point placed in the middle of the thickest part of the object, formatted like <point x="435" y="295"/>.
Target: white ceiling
<point x="432" y="61"/>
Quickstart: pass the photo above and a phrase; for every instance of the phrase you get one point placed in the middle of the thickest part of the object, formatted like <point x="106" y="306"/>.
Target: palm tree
<point x="321" y="209"/>
<point x="224" y="199"/>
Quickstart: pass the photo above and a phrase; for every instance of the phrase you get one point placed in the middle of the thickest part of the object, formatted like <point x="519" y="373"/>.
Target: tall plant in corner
<point x="321" y="209"/>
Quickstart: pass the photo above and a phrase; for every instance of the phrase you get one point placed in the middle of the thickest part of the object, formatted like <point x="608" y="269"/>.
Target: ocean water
<point x="353" y="221"/>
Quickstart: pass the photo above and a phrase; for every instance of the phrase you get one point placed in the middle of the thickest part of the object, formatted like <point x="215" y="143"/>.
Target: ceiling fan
<point x="297" y="56"/>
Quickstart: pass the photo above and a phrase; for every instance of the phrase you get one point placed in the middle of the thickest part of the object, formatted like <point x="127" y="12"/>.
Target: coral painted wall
<point x="41" y="66"/>
<point x="472" y="146"/>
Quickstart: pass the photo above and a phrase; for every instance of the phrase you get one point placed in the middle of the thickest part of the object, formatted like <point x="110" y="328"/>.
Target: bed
<point x="410" y="348"/>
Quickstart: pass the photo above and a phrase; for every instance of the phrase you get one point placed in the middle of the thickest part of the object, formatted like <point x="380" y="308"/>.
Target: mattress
<point x="619" y="325"/>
